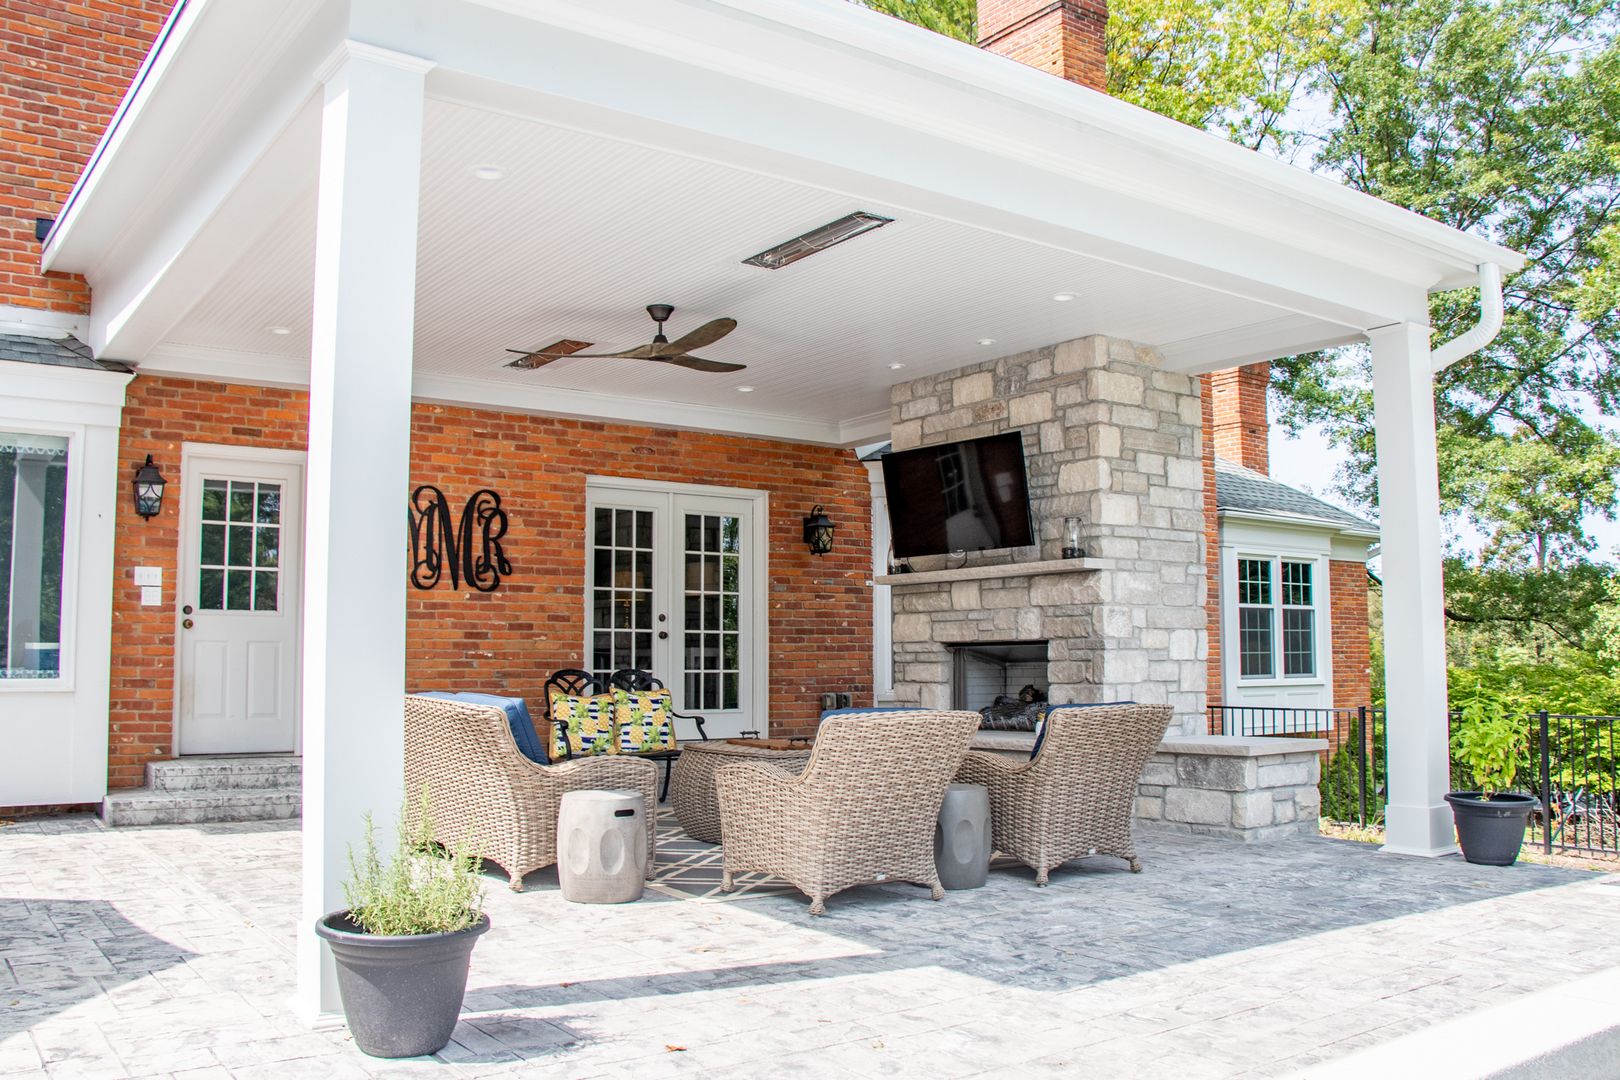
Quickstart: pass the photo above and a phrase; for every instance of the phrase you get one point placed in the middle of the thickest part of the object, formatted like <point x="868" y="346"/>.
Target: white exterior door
<point x="675" y="585"/>
<point x="238" y="620"/>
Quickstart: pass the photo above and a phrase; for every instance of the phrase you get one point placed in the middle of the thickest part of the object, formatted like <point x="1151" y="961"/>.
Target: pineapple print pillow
<point x="581" y="726"/>
<point x="645" y="724"/>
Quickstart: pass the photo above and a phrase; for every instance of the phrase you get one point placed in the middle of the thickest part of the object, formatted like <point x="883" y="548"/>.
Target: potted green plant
<point x="1487" y="741"/>
<point x="404" y="943"/>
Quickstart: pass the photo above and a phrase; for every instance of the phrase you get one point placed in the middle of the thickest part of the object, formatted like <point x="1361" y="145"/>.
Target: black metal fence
<point x="1570" y="764"/>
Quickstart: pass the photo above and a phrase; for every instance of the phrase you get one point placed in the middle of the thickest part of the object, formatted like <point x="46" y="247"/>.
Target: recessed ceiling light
<point x="1063" y="297"/>
<point x="489" y="172"/>
<point x="987" y="341"/>
<point x="818" y="239"/>
<point x="896" y="366"/>
<point x="279" y="331"/>
<point x="745" y="389"/>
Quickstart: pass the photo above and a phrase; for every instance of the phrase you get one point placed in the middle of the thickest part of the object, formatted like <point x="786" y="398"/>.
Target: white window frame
<point x="67" y="636"/>
<point x="1320" y="604"/>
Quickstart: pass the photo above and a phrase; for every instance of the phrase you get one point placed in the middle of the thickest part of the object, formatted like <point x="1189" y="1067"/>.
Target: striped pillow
<point x="643" y="716"/>
<point x="581" y="726"/>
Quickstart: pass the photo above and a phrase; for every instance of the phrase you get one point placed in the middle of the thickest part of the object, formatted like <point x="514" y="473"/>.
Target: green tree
<point x="953" y="18"/>
<point x="1237" y="67"/>
<point x="1501" y="117"/>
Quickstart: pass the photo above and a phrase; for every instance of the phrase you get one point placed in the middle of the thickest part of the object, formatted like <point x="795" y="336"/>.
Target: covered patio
<point x="377" y="201"/>
<point x="171" y="951"/>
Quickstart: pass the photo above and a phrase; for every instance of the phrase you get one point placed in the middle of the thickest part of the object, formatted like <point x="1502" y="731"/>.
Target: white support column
<point x="359" y="446"/>
<point x="1417" y="819"/>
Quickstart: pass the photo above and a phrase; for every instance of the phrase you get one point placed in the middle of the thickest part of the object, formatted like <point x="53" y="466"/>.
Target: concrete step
<point x="226" y="773"/>
<point x="144" y="806"/>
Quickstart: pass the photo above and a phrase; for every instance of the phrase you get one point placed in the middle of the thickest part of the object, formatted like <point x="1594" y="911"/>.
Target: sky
<point x="1310" y="463"/>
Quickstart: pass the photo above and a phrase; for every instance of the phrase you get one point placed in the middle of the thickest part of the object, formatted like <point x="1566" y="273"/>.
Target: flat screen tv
<point x="960" y="496"/>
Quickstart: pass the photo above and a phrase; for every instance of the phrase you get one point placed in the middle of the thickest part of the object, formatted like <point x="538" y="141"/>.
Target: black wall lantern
<point x="149" y="485"/>
<point x="818" y="531"/>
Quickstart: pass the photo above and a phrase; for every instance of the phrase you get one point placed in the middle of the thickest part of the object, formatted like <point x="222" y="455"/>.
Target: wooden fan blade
<point x="697" y="363"/>
<point x="529" y="360"/>
<point x="707" y="334"/>
<point x="533" y="358"/>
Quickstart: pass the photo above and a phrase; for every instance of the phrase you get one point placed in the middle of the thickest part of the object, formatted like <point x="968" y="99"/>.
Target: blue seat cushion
<point x="517" y="718"/>
<point x="1040" y="725"/>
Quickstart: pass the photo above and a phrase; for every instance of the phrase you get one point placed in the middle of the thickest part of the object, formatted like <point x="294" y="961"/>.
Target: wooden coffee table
<point x="692" y="791"/>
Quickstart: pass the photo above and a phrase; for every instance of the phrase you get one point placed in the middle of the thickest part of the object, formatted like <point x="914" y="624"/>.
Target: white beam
<point x="1417" y="819"/>
<point x="359" y="447"/>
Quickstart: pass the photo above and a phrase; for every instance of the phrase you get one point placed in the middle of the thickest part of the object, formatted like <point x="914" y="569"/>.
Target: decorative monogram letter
<point x="472" y="552"/>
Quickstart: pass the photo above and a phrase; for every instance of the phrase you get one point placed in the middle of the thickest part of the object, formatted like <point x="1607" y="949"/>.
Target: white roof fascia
<point x="1298" y="521"/>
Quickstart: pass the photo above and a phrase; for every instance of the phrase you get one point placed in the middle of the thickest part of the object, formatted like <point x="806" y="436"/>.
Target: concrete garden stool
<point x="962" y="837"/>
<point x="602" y="846"/>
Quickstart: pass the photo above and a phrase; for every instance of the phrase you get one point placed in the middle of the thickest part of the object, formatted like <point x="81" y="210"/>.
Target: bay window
<point x="33" y="525"/>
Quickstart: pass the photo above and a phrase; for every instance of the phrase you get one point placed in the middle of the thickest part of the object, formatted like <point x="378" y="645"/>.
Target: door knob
<point x="186" y="623"/>
<point x="662" y="634"/>
<point x="186" y="610"/>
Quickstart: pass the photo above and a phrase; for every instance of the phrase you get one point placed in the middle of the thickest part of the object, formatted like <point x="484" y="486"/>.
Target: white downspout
<point x="1481" y="333"/>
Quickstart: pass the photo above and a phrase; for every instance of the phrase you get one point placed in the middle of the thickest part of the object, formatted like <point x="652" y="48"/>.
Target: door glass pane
<point x="240" y="530"/>
<point x="264" y="590"/>
<point x="621" y="611"/>
<point x="213" y="545"/>
<point x="238" y="590"/>
<point x="213" y="507"/>
<point x="712" y="582"/>
<point x="211" y="590"/>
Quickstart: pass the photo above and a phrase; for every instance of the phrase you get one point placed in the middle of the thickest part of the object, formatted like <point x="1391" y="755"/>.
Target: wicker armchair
<point x="863" y="810"/>
<point x="483" y="791"/>
<point x="1077" y="796"/>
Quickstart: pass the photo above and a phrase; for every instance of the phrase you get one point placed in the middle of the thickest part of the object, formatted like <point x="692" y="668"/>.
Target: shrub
<point x="423" y="889"/>
<point x="1487" y="741"/>
<point x="1340" y="786"/>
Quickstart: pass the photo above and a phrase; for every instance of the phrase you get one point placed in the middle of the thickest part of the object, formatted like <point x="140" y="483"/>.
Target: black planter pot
<point x="1491" y="831"/>
<point x="401" y="995"/>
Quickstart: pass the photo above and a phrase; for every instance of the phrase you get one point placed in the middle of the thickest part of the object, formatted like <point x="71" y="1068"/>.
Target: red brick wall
<point x="1241" y="426"/>
<point x="1212" y="549"/>
<point x="510" y="639"/>
<point x="160" y="414"/>
<point x="64" y="67"/>
<point x="1065" y="37"/>
<point x="1347" y="592"/>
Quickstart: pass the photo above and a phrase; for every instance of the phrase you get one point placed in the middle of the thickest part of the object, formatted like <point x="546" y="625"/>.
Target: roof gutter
<point x="1483" y="332"/>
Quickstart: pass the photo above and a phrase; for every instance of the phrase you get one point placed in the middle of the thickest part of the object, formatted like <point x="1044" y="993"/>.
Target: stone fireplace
<point x="1108" y="436"/>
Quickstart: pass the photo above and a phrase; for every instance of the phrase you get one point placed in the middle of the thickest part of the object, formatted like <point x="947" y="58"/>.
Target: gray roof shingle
<point x="68" y="352"/>
<point x="1250" y="492"/>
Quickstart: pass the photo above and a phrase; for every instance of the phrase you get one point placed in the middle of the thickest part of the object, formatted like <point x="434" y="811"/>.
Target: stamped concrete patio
<point x="169" y="951"/>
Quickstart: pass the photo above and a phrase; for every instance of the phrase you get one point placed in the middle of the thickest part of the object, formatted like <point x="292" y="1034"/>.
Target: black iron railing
<point x="1571" y="762"/>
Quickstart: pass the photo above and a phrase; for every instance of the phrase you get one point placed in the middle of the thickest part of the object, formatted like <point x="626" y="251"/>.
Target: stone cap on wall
<point x="1240" y="745"/>
<point x="1207" y="745"/>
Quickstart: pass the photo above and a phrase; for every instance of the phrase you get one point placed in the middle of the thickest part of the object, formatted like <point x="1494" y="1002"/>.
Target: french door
<point x="674" y="585"/>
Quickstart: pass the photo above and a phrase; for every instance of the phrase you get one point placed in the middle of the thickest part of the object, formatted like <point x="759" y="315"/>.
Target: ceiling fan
<point x="660" y="351"/>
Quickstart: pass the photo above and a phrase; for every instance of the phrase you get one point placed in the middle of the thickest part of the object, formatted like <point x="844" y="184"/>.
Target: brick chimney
<point x="1241" y="427"/>
<point x="1065" y="37"/>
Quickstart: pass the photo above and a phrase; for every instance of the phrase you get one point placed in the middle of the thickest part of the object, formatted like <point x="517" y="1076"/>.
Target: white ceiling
<point x="584" y="231"/>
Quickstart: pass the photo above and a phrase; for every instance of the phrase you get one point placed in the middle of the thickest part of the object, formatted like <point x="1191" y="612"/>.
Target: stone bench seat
<point x="1248" y="789"/>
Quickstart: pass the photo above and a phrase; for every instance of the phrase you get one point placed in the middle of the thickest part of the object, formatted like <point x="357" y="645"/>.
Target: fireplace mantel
<point x="991" y="571"/>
